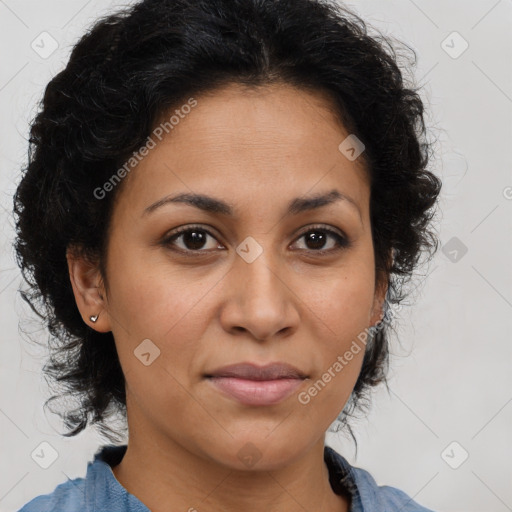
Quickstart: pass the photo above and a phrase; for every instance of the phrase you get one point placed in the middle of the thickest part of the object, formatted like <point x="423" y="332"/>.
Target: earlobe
<point x="88" y="290"/>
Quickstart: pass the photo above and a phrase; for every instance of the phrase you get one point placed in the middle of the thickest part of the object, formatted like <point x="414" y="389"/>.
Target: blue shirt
<point x="100" y="491"/>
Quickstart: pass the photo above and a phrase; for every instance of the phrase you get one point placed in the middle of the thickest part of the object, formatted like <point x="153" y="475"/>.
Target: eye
<point x="193" y="239"/>
<point x="316" y="237"/>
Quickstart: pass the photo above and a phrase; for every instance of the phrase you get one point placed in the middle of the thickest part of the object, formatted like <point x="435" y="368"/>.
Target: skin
<point x="206" y="311"/>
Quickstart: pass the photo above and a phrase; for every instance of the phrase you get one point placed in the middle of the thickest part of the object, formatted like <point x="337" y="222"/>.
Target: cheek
<point x="340" y="311"/>
<point x="343" y="303"/>
<point x="153" y="301"/>
<point x="151" y="295"/>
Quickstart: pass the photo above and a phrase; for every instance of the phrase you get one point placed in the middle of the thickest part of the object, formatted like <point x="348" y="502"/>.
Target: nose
<point x="260" y="299"/>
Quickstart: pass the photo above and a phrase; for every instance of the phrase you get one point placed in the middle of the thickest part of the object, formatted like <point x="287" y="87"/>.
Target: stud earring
<point x="94" y="318"/>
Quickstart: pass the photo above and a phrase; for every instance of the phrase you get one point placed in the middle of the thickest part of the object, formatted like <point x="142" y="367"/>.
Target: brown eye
<point x="316" y="239"/>
<point x="193" y="239"/>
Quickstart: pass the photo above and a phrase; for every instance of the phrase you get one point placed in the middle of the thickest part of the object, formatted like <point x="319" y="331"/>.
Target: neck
<point x="165" y="476"/>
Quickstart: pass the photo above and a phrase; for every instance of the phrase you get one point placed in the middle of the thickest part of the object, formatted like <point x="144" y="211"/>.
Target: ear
<point x="88" y="289"/>
<point x="377" y="311"/>
<point x="381" y="289"/>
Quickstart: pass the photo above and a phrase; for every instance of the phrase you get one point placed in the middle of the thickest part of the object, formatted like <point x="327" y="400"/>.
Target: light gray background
<point x="451" y="376"/>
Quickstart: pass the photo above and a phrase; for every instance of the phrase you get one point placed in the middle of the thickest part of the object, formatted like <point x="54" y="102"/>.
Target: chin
<point x="259" y="453"/>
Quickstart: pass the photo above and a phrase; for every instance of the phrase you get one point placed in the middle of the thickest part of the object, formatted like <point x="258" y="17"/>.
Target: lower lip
<point x="254" y="392"/>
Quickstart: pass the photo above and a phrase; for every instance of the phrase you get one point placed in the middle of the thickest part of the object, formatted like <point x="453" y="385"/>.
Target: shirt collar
<point x="104" y="490"/>
<point x="345" y="478"/>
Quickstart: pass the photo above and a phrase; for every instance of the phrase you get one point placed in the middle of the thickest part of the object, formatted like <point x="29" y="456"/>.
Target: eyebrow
<point x="216" y="206"/>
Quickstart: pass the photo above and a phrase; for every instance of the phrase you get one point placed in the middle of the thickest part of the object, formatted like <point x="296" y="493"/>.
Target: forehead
<point x="240" y="119"/>
<point x="248" y="144"/>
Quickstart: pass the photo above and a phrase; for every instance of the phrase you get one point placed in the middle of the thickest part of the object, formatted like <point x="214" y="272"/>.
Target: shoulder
<point x="67" y="497"/>
<point x="99" y="490"/>
<point x="367" y="495"/>
<point x="384" y="497"/>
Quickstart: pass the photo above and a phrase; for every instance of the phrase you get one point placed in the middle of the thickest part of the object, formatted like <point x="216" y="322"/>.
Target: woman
<point x="222" y="201"/>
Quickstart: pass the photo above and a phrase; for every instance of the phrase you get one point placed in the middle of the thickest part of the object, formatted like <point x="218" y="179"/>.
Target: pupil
<point x="194" y="239"/>
<point x="317" y="239"/>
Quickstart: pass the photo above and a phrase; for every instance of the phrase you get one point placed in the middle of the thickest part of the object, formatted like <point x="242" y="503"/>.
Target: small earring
<point x="94" y="318"/>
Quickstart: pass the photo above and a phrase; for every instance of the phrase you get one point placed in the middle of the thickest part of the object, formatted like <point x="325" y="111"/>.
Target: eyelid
<point x="323" y="227"/>
<point x="184" y="229"/>
<point x="342" y="242"/>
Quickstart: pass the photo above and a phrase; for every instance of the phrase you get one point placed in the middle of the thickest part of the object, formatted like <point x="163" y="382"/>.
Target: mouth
<point x="254" y="385"/>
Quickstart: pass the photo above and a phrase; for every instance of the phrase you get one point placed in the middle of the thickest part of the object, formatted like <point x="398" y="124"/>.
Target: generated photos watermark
<point x="143" y="151"/>
<point x="304" y="397"/>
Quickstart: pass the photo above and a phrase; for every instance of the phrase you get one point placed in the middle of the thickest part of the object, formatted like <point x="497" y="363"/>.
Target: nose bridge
<point x="260" y="268"/>
<point x="260" y="298"/>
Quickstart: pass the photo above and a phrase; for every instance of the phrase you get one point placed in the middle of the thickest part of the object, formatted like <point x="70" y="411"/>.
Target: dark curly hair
<point x="134" y="65"/>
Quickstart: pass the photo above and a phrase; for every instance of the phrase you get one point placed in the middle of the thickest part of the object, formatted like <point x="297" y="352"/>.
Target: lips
<point x="253" y="385"/>
<point x="250" y="371"/>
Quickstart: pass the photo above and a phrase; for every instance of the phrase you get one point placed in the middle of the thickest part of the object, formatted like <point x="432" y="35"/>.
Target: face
<point x="250" y="281"/>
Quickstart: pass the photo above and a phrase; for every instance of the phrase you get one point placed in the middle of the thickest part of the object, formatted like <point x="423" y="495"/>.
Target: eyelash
<point x="342" y="241"/>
